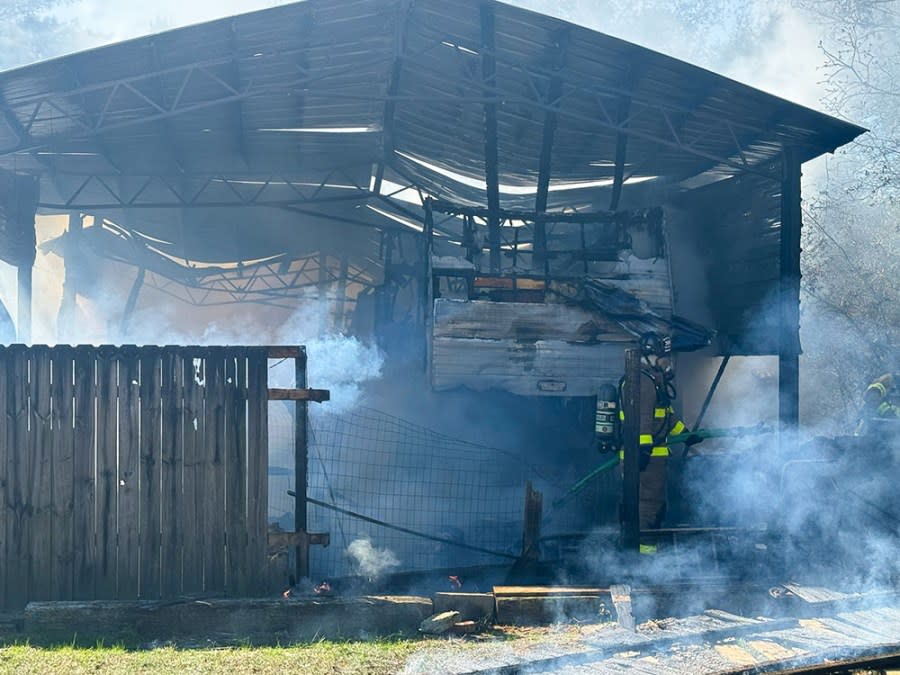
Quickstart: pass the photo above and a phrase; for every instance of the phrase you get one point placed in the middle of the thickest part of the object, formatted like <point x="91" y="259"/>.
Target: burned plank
<point x="62" y="460"/>
<point x="39" y="500"/>
<point x="471" y="606"/>
<point x="214" y="472"/>
<point x="193" y="509"/>
<point x="127" y="483"/>
<point x="523" y="321"/>
<point x="84" y="495"/>
<point x="16" y="476"/>
<point x="257" y="466"/>
<point x="235" y="473"/>
<point x="538" y="610"/>
<point x="107" y="470"/>
<point x="172" y="459"/>
<point x="150" y="473"/>
<point x="5" y="483"/>
<point x="547" y="591"/>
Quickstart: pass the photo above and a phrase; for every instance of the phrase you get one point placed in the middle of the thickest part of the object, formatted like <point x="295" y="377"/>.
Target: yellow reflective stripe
<point x="659" y="412"/>
<point x="678" y="428"/>
<point x="622" y="415"/>
<point x="646" y="439"/>
<point x="879" y="386"/>
<point x="658" y="451"/>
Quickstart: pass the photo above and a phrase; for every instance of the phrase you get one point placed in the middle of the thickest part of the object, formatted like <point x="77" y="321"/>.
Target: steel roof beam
<point x="164" y="105"/>
<point x="238" y="105"/>
<point x="554" y="92"/>
<point x="183" y="198"/>
<point x="32" y="106"/>
<point x="401" y="28"/>
<point x="491" y="161"/>
<point x="604" y="96"/>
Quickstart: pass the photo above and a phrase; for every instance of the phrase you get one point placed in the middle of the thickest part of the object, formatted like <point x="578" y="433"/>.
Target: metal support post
<point x="789" y="292"/>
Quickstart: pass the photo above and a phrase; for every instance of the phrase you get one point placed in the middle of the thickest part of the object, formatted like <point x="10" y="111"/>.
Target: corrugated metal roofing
<point x="305" y="106"/>
<point x="207" y="99"/>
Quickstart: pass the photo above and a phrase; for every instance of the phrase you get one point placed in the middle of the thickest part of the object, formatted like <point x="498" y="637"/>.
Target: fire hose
<point x="699" y="434"/>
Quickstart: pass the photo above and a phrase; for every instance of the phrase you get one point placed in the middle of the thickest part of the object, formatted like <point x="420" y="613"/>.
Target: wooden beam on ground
<point x="230" y="621"/>
<point x="547" y="591"/>
<point x="471" y="606"/>
<point x="537" y="610"/>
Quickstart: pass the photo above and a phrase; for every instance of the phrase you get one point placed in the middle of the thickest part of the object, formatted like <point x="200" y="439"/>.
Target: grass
<point x="320" y="658"/>
<point x="376" y="657"/>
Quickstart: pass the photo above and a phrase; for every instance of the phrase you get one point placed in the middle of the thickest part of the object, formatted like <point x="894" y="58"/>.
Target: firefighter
<point x="879" y="402"/>
<point x="657" y="422"/>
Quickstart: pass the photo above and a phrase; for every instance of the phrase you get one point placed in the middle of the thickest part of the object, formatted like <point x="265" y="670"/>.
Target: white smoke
<point x="371" y="562"/>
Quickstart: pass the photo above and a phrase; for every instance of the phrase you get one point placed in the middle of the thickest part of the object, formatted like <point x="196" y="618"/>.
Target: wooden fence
<point x="131" y="472"/>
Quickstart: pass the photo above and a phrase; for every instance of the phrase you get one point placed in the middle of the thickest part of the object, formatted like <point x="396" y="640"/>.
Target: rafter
<point x="491" y="161"/>
<point x="554" y="91"/>
<point x="84" y="125"/>
<point x="97" y="192"/>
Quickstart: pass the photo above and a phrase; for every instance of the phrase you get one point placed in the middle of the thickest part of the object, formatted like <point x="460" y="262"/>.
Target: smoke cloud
<point x="371" y="563"/>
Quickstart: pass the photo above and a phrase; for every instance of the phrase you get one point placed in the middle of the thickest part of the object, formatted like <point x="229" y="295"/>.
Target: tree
<point x="851" y="260"/>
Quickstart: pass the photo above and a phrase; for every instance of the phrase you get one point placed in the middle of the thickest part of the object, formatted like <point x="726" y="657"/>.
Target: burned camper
<point x="469" y="213"/>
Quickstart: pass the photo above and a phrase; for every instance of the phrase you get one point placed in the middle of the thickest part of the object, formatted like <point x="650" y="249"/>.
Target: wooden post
<point x="301" y="462"/>
<point x="789" y="295"/>
<point x="631" y="408"/>
<point x="531" y="536"/>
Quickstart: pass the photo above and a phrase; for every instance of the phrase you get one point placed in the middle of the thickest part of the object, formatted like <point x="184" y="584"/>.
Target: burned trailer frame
<point x="437" y="269"/>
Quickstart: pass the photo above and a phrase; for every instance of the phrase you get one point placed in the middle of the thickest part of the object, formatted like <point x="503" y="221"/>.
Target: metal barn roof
<point x="327" y="108"/>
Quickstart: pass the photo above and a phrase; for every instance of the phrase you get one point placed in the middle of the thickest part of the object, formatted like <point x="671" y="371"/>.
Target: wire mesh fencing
<point x="397" y="496"/>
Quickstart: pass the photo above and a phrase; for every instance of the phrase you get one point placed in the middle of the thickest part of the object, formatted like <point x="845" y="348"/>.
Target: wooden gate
<point x="130" y="472"/>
